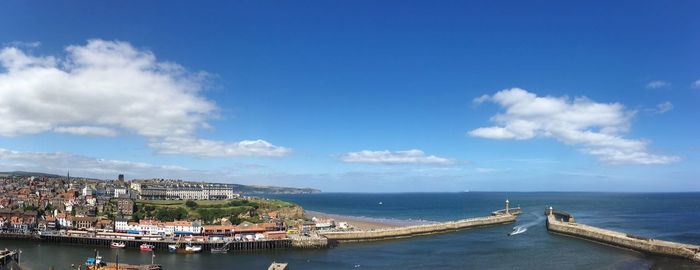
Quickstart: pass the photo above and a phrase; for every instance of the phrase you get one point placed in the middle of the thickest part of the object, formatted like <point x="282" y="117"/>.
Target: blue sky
<point x="370" y="96"/>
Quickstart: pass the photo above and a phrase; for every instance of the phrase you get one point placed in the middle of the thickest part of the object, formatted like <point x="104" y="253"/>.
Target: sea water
<point x="668" y="216"/>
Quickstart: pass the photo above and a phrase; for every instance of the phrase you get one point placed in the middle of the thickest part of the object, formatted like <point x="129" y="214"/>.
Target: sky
<point x="356" y="96"/>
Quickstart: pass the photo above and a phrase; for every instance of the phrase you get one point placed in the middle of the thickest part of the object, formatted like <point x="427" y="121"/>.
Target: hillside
<point x="245" y="189"/>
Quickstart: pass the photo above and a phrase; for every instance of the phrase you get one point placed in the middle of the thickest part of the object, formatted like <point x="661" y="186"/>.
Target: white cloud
<point x="86" y="130"/>
<point x="79" y="165"/>
<point x="413" y="156"/>
<point x="106" y="86"/>
<point x="664" y="107"/>
<point x="596" y="127"/>
<point x="200" y="147"/>
<point x="696" y="84"/>
<point x="658" y="84"/>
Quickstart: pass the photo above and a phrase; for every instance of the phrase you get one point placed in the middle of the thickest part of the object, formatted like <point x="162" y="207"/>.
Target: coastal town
<point x="176" y="212"/>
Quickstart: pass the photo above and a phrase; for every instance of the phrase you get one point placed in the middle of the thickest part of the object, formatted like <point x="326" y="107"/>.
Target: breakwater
<point x="564" y="223"/>
<point x="409" y="231"/>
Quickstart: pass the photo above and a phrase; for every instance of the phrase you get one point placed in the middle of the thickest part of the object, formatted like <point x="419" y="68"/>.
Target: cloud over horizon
<point x="105" y="88"/>
<point x="596" y="128"/>
<point x="79" y="165"/>
<point x="412" y="156"/>
<point x="658" y="84"/>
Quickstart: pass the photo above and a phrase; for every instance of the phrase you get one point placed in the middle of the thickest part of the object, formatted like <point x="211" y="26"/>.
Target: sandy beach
<point x="365" y="223"/>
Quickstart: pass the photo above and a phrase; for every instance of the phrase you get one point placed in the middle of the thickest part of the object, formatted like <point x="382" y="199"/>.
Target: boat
<point x="190" y="248"/>
<point x="146" y="247"/>
<point x="380" y="203"/>
<point x="221" y="250"/>
<point x="172" y="248"/>
<point x="117" y="245"/>
<point x="97" y="263"/>
<point x="517" y="230"/>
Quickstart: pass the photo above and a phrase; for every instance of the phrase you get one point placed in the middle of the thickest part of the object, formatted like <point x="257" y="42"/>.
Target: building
<point x="84" y="223"/>
<point x="153" y="192"/>
<point x="120" y="192"/>
<point x="125" y="206"/>
<point x="219" y="230"/>
<point x="182" y="191"/>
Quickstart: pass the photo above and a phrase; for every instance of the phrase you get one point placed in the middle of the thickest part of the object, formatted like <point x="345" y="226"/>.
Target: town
<point x="144" y="210"/>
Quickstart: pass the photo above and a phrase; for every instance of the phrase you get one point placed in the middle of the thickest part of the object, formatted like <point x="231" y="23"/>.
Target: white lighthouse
<point x="507" y="208"/>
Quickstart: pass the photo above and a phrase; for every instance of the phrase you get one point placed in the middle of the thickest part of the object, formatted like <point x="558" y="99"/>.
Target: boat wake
<point x="523" y="228"/>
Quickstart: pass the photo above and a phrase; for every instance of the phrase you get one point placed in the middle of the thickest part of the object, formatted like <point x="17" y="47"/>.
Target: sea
<point x="667" y="216"/>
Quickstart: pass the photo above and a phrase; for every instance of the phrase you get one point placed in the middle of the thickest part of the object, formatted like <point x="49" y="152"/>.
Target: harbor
<point x="503" y="216"/>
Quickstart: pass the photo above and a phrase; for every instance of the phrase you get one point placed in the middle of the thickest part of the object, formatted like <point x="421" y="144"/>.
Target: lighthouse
<point x="507" y="209"/>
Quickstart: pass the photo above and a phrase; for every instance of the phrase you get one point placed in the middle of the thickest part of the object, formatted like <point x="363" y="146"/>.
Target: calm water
<point x="670" y="216"/>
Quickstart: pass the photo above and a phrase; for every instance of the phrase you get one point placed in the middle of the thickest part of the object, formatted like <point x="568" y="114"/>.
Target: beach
<point x="365" y="223"/>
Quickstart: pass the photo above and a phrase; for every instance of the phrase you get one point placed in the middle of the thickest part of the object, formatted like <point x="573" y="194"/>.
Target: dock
<point x="9" y="259"/>
<point x="564" y="223"/>
<point x="163" y="244"/>
<point x="410" y="231"/>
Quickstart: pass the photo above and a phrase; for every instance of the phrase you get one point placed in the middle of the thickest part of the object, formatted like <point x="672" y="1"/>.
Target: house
<point x="104" y="224"/>
<point x="125" y="207"/>
<point x="64" y="221"/>
<point x="84" y="223"/>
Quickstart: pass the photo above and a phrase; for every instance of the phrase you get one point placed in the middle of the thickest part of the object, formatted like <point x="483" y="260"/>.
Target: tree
<point x="191" y="204"/>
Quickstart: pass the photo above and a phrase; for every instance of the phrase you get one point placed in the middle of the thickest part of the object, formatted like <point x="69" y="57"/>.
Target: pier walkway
<point x="409" y="231"/>
<point x="564" y="223"/>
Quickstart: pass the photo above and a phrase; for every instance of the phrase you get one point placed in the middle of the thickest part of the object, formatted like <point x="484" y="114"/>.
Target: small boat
<point x="117" y="244"/>
<point x="172" y="248"/>
<point x="517" y="230"/>
<point x="97" y="263"/>
<point x="146" y="247"/>
<point x="220" y="250"/>
<point x="190" y="248"/>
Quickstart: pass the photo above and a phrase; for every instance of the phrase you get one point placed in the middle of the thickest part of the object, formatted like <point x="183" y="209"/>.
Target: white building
<point x="118" y="192"/>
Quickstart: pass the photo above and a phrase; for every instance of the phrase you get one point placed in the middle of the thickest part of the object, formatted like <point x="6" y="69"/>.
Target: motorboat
<point x="146" y="247"/>
<point x="117" y="245"/>
<point x="190" y="248"/>
<point x="172" y="248"/>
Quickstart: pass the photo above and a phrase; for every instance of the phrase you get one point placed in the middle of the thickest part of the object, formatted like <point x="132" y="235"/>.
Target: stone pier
<point x="564" y="223"/>
<point x="409" y="231"/>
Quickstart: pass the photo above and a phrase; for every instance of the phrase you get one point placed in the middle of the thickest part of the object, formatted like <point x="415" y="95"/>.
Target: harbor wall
<point x="619" y="239"/>
<point x="163" y="245"/>
<point x="408" y="231"/>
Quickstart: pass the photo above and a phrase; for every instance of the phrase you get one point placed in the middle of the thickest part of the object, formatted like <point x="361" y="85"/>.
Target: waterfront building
<point x="84" y="223"/>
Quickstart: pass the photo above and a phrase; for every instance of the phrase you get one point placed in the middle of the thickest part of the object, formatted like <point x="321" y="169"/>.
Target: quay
<point x="564" y="223"/>
<point x="9" y="259"/>
<point x="163" y="244"/>
<point x="498" y="217"/>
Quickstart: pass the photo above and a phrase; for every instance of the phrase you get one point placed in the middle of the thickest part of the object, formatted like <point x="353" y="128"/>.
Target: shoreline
<point x="366" y="223"/>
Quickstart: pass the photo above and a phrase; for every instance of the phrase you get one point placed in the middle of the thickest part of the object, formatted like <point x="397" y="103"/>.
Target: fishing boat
<point x="117" y="245"/>
<point x="146" y="247"/>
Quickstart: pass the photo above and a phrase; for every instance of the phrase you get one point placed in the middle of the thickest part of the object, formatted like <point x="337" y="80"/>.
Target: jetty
<point x="497" y="217"/>
<point x="9" y="259"/>
<point x="564" y="223"/>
